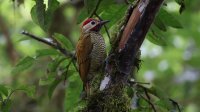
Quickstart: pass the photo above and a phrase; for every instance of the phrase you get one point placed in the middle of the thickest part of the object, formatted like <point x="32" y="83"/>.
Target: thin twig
<point x="65" y="76"/>
<point x="106" y="29"/>
<point x="96" y="8"/>
<point x="177" y="105"/>
<point x="74" y="63"/>
<point x="146" y="93"/>
<point x="148" y="101"/>
<point x="54" y="45"/>
<point x="39" y="39"/>
<point x="136" y="82"/>
<point x="11" y="93"/>
<point x="149" y="98"/>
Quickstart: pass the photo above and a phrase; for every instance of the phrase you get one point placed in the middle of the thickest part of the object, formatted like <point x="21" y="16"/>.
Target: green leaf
<point x="65" y="75"/>
<point x="52" y="6"/>
<point x="160" y="103"/>
<point x="53" y="85"/>
<point x="65" y="63"/>
<point x="34" y="15"/>
<point x="104" y="5"/>
<point x="169" y="19"/>
<point x="73" y="93"/>
<point x="46" y="52"/>
<point x="6" y="106"/>
<point x="68" y="73"/>
<point x="82" y="15"/>
<point x="1" y="99"/>
<point x="90" y="5"/>
<point x="162" y="96"/>
<point x="40" y="9"/>
<point x="29" y="90"/>
<point x="160" y="24"/>
<point x="3" y="90"/>
<point x="155" y="36"/>
<point x="24" y="64"/>
<point x="182" y="4"/>
<point x="44" y="17"/>
<point x="38" y="13"/>
<point x="24" y="38"/>
<point x="53" y="65"/>
<point x="47" y="81"/>
<point x="64" y="41"/>
<point x="156" y="39"/>
<point x="114" y="13"/>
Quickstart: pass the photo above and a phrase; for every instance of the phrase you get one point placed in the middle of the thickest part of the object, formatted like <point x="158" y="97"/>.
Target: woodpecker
<point x="90" y="51"/>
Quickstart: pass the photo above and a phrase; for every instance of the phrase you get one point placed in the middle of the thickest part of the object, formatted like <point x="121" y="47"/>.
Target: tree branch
<point x="136" y="37"/>
<point x="96" y="8"/>
<point x="121" y="63"/>
<point x="50" y="43"/>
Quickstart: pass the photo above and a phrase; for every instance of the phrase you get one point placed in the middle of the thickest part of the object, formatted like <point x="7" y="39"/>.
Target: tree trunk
<point x="119" y="65"/>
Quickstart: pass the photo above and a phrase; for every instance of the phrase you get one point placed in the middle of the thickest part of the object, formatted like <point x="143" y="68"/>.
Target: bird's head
<point x="92" y="24"/>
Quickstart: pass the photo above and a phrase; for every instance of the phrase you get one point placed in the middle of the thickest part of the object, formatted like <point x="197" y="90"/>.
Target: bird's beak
<point x="104" y="22"/>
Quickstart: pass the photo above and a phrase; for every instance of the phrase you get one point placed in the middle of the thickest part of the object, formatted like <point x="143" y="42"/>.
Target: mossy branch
<point x="121" y="63"/>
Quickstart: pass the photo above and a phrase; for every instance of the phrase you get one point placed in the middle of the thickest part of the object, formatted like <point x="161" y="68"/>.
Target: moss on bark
<point x="114" y="99"/>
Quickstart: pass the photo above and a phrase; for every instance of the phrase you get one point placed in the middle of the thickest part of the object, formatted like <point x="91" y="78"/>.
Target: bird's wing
<point x="83" y="50"/>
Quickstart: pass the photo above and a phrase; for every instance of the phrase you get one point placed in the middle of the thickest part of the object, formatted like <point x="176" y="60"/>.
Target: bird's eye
<point x="92" y="22"/>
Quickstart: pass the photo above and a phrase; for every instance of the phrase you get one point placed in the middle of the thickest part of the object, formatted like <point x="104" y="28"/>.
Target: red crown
<point x="87" y="21"/>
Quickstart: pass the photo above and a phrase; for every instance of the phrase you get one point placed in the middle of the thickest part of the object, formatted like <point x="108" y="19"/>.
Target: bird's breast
<point x="98" y="53"/>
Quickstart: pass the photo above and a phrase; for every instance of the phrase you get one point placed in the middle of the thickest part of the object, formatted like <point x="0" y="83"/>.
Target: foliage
<point x="7" y="92"/>
<point x="61" y="68"/>
<point x="41" y="16"/>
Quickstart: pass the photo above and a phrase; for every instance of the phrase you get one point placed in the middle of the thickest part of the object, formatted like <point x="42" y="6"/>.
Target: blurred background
<point x="175" y="67"/>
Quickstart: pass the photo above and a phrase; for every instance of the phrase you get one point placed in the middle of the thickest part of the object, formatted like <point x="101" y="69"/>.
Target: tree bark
<point x="119" y="65"/>
<point x="12" y="54"/>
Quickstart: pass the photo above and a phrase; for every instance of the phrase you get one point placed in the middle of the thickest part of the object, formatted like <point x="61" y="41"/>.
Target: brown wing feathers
<point x="83" y="50"/>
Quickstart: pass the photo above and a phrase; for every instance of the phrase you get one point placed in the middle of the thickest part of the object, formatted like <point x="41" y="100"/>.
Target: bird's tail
<point x="87" y="89"/>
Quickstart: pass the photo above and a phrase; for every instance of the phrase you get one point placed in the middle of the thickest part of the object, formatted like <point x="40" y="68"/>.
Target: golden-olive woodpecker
<point x="90" y="51"/>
